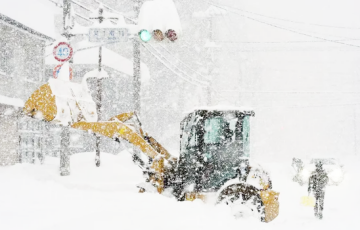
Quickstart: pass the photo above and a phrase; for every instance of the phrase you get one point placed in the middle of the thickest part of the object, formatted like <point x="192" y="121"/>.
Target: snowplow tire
<point x="243" y="194"/>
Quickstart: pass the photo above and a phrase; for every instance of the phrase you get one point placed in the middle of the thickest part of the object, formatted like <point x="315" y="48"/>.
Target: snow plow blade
<point x="270" y="200"/>
<point x="41" y="102"/>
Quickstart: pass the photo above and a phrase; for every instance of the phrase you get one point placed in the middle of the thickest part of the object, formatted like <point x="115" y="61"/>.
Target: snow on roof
<point x="91" y="57"/>
<point x="221" y="108"/>
<point x="96" y="74"/>
<point x="159" y="14"/>
<point x="11" y="101"/>
<point x="210" y="12"/>
<point x="32" y="13"/>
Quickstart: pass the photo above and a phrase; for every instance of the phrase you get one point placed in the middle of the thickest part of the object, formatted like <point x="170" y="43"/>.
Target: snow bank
<point x="106" y="197"/>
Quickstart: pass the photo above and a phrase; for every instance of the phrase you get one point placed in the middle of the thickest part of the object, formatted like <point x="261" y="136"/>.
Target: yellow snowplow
<point x="214" y="154"/>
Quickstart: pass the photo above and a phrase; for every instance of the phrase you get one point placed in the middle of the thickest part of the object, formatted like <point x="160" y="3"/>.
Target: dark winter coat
<point x="318" y="181"/>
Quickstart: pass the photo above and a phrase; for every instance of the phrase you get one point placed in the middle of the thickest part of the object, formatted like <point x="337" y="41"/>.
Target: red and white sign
<point x="57" y="71"/>
<point x="63" y="52"/>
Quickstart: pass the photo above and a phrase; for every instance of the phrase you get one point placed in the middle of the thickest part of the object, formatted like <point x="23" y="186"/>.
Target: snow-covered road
<point x="36" y="197"/>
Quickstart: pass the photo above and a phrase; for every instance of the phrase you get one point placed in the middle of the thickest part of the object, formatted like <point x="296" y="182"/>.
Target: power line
<point x="81" y="5"/>
<point x="309" y="106"/>
<point x="82" y="17"/>
<point x="194" y="71"/>
<point x="201" y="82"/>
<point x="286" y="29"/>
<point x="168" y="67"/>
<point x="270" y="42"/>
<point x="292" y="21"/>
<point x="204" y="84"/>
<point x="185" y="64"/>
<point x="289" y="92"/>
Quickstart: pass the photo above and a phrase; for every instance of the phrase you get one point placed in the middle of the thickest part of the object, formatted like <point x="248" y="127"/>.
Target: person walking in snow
<point x="317" y="183"/>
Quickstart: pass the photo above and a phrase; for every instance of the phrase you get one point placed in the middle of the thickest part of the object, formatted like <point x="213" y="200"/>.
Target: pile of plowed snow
<point x="36" y="197"/>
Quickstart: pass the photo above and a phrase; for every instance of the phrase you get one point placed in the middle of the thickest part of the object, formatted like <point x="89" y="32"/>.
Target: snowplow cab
<point x="213" y="143"/>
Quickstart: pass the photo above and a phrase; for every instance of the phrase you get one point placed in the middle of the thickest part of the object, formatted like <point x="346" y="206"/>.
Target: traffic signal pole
<point x="137" y="76"/>
<point x="136" y="64"/>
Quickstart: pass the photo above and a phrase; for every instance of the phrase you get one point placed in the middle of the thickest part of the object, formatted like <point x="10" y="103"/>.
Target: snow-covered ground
<point x="36" y="197"/>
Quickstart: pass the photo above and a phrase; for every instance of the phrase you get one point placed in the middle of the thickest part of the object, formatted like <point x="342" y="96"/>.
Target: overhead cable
<point x="198" y="81"/>
<point x="292" y="21"/>
<point x="286" y="29"/>
<point x="171" y="69"/>
<point x="308" y="106"/>
<point x="185" y="64"/>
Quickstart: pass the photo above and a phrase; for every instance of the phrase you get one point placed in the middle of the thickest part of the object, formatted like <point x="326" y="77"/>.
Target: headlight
<point x="336" y="175"/>
<point x="305" y="174"/>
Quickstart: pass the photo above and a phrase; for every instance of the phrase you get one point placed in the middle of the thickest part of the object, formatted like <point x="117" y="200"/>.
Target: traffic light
<point x="159" y="19"/>
<point x="145" y="35"/>
<point x="158" y="35"/>
<point x="171" y="35"/>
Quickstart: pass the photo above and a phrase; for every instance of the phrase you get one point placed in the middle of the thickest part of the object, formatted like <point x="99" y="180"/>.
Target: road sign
<point x="63" y="52"/>
<point x="57" y="71"/>
<point x="108" y="35"/>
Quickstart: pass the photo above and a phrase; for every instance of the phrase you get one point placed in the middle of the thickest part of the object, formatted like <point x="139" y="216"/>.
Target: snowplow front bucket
<point x="61" y="102"/>
<point x="41" y="104"/>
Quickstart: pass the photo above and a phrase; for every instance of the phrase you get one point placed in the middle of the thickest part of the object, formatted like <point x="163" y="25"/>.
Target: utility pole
<point x="99" y="91"/>
<point x="65" y="130"/>
<point x="137" y="75"/>
<point x="136" y="65"/>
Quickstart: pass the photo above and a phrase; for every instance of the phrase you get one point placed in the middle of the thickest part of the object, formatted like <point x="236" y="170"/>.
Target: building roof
<point x="19" y="25"/>
<point x="35" y="16"/>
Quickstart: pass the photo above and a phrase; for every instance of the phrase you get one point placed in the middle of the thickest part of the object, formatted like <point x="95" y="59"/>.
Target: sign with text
<point x="108" y="35"/>
<point x="62" y="52"/>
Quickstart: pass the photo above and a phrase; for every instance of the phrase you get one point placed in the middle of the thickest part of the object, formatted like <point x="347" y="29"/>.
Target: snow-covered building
<point x="28" y="35"/>
<point x="21" y="71"/>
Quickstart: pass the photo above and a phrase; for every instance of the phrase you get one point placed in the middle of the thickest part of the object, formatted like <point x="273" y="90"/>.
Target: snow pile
<point x="107" y="198"/>
<point x="161" y="15"/>
<point x="73" y="100"/>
